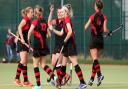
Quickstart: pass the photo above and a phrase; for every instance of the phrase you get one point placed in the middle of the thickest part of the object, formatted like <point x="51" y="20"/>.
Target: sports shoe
<point x="99" y="80"/>
<point x="66" y="79"/>
<point x="17" y="82"/>
<point x="82" y="86"/>
<point x="27" y="83"/>
<point x="36" y="87"/>
<point x="90" y="82"/>
<point x="53" y="81"/>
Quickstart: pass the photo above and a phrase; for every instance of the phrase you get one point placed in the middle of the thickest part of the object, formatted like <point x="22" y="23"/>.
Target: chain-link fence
<point x="115" y="46"/>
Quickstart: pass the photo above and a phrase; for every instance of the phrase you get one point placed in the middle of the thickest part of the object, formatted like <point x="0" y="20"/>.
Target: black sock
<point x="48" y="70"/>
<point x="97" y="67"/>
<point x="37" y="75"/>
<point x="62" y="73"/>
<point x="19" y="69"/>
<point x="79" y="73"/>
<point x="25" y="74"/>
<point x="93" y="71"/>
<point x="58" y="68"/>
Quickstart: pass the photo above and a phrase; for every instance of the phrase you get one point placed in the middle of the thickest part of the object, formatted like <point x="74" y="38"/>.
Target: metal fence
<point x="115" y="46"/>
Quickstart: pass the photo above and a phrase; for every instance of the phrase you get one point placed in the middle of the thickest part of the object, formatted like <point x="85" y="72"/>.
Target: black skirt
<point x="96" y="42"/>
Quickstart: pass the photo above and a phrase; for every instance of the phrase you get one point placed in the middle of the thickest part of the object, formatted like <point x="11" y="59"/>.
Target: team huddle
<point x="65" y="44"/>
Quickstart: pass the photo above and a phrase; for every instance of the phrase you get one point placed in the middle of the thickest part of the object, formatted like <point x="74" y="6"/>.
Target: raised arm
<point x="50" y="15"/>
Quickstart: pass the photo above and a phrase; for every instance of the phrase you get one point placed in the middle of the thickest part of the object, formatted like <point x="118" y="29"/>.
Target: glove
<point x="110" y="33"/>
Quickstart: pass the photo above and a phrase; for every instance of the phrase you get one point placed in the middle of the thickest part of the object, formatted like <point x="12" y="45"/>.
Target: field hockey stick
<point x="48" y="80"/>
<point x="113" y="31"/>
<point x="20" y="40"/>
<point x="70" y="72"/>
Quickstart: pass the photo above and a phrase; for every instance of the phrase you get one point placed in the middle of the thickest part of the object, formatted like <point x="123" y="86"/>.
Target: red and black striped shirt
<point x="40" y="33"/>
<point x="97" y="24"/>
<point x="25" y="28"/>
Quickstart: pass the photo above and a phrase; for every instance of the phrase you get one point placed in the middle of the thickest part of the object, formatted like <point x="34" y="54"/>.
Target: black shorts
<point x="69" y="50"/>
<point x="21" y="47"/>
<point x="96" y="42"/>
<point x="40" y="52"/>
<point x="57" y="49"/>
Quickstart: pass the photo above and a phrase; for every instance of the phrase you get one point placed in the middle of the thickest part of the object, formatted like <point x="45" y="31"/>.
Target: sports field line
<point x="47" y="84"/>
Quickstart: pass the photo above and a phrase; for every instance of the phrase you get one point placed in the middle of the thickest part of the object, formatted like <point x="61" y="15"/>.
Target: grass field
<point x="116" y="77"/>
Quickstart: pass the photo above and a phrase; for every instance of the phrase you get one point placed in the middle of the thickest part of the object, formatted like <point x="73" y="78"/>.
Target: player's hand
<point x="63" y="43"/>
<point x="51" y="8"/>
<point x="22" y="41"/>
<point x="110" y="33"/>
<point x="29" y="43"/>
<point x="51" y="28"/>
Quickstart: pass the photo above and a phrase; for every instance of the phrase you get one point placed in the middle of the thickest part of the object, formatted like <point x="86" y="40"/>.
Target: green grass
<point x="116" y="77"/>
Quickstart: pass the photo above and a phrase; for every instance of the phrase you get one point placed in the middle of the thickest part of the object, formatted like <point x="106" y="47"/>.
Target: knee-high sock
<point x="79" y="73"/>
<point x="19" y="69"/>
<point x="37" y="75"/>
<point x="48" y="70"/>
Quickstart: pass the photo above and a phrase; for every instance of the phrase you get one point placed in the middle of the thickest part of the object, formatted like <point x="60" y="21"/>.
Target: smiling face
<point x="63" y="13"/>
<point x="59" y="13"/>
<point x="30" y="13"/>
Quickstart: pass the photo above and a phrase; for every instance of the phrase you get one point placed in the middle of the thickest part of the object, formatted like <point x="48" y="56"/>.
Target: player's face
<point x="30" y="13"/>
<point x="59" y="13"/>
<point x="63" y="13"/>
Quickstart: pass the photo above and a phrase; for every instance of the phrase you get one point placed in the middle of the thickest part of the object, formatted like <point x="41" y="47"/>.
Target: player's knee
<point x="53" y="64"/>
<point x="35" y="64"/>
<point x="23" y="62"/>
<point x="42" y="65"/>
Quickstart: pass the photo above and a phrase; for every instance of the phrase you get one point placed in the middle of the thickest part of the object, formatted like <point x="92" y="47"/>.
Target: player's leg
<point x="36" y="72"/>
<point x="24" y="60"/>
<point x="56" y="57"/>
<point x="78" y="71"/>
<point x="63" y="69"/>
<point x="95" y="67"/>
<point x="94" y="56"/>
<point x="47" y="69"/>
<point x="100" y="76"/>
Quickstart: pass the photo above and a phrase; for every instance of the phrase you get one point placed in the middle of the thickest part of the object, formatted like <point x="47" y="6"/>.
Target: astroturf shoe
<point x="81" y="86"/>
<point x="99" y="80"/>
<point x="36" y="87"/>
<point x="90" y="83"/>
<point x="27" y="83"/>
<point x="17" y="82"/>
<point x="53" y="81"/>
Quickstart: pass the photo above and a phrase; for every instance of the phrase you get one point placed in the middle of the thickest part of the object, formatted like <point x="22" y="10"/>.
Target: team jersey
<point x="25" y="28"/>
<point x="97" y="24"/>
<point x="72" y="38"/>
<point x="40" y="33"/>
<point x="59" y="27"/>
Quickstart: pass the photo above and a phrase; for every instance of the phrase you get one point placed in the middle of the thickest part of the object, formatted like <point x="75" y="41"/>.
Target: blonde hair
<point x="39" y="12"/>
<point x="68" y="9"/>
<point x="25" y="11"/>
